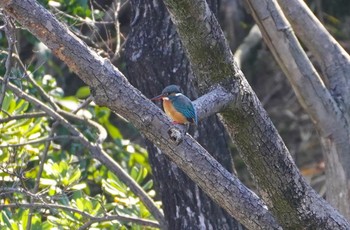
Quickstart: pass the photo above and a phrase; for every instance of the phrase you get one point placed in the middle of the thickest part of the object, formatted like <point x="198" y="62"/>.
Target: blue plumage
<point x="177" y="106"/>
<point x="184" y="105"/>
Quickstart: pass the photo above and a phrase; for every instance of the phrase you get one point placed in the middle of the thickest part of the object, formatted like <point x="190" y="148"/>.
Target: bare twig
<point x="116" y="5"/>
<point x="93" y="219"/>
<point x="40" y="140"/>
<point x="102" y="131"/>
<point x="84" y="104"/>
<point x="96" y="151"/>
<point x="9" y="28"/>
<point x="23" y="116"/>
<point x="35" y="84"/>
<point x="38" y="176"/>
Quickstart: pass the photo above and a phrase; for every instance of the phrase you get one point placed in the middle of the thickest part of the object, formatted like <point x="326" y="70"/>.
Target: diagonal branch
<point x="281" y="185"/>
<point x="333" y="59"/>
<point x="329" y="119"/>
<point x="307" y="84"/>
<point x="110" y="88"/>
<point x="96" y="151"/>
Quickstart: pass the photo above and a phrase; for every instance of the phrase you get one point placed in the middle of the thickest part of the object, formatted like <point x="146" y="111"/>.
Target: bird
<point x="177" y="106"/>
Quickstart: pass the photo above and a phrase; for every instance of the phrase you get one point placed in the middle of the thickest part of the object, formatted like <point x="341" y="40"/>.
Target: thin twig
<point x="84" y="104"/>
<point x="35" y="84"/>
<point x="102" y="131"/>
<point x="38" y="176"/>
<point x="23" y="116"/>
<point x="116" y="6"/>
<point x="96" y="151"/>
<point x="39" y="140"/>
<point x="5" y="190"/>
<point x="80" y="19"/>
<point x="9" y="28"/>
<point x="92" y="218"/>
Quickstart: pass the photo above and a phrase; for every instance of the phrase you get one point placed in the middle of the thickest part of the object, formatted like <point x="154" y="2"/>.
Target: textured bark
<point x="326" y="114"/>
<point x="155" y="59"/>
<point x="335" y="65"/>
<point x="295" y="204"/>
<point x="110" y="88"/>
<point x="333" y="59"/>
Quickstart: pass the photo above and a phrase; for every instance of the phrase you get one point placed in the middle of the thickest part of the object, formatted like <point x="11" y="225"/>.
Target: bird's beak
<point x="157" y="98"/>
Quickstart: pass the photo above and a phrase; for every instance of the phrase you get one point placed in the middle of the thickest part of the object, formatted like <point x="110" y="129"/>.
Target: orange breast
<point x="172" y="113"/>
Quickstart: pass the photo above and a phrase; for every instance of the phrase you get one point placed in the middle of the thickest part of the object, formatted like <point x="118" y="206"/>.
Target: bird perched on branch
<point x="177" y="106"/>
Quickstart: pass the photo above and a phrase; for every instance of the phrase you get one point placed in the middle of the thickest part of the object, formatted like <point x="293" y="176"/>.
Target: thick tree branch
<point x="307" y="84"/>
<point x="332" y="123"/>
<point x="111" y="89"/>
<point x="291" y="199"/>
<point x="333" y="59"/>
<point x="212" y="102"/>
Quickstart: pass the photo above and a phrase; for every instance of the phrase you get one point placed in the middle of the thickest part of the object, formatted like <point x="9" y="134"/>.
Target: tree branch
<point x="280" y="183"/>
<point x="11" y="40"/>
<point x="333" y="59"/>
<point x="95" y="150"/>
<point x="22" y="116"/>
<point x="253" y="38"/>
<point x="329" y="119"/>
<point x="110" y="88"/>
<point x="39" y="140"/>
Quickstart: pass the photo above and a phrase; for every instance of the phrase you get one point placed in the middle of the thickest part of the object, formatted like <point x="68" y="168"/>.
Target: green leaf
<point x="8" y="99"/>
<point x="25" y="215"/>
<point x="135" y="173"/>
<point x="48" y="182"/>
<point x="34" y="130"/>
<point x="79" y="186"/>
<point x="83" y="92"/>
<point x="114" y="188"/>
<point x="80" y="204"/>
<point x="74" y="177"/>
<point x="6" y="219"/>
<point x="44" y="226"/>
<point x="97" y="208"/>
<point x="113" y="131"/>
<point x="70" y="102"/>
<point x="21" y="107"/>
<point x="148" y="185"/>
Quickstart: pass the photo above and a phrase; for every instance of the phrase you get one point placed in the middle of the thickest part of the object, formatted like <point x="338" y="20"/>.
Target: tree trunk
<point x="155" y="59"/>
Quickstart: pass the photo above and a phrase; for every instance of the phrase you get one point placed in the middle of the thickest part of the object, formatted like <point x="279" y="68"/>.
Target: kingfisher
<point x="177" y="106"/>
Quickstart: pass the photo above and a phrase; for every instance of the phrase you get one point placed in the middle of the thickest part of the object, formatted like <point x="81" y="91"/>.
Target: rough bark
<point x="281" y="186"/>
<point x="335" y="65"/>
<point x="154" y="59"/>
<point x="111" y="88"/>
<point x="328" y="117"/>
<point x="333" y="59"/>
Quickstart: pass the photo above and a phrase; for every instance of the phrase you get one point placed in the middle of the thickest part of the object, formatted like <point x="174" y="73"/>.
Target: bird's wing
<point x="185" y="106"/>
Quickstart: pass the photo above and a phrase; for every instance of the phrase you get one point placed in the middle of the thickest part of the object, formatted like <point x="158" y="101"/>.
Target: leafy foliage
<point x="70" y="176"/>
<point x="42" y="165"/>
